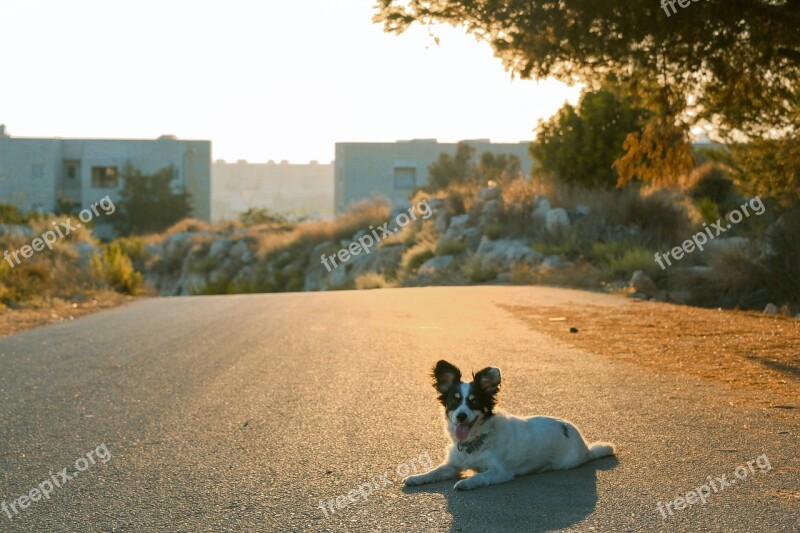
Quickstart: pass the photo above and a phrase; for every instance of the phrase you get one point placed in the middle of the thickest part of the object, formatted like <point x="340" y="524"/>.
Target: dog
<point x="497" y="445"/>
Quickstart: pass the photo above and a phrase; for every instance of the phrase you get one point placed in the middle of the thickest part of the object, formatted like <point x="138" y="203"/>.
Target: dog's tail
<point x="600" y="449"/>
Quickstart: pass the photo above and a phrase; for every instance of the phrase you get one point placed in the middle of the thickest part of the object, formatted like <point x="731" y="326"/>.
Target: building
<point x="290" y="190"/>
<point x="394" y="170"/>
<point x="36" y="174"/>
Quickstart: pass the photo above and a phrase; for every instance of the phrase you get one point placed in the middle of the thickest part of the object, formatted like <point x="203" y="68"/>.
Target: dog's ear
<point x="445" y="376"/>
<point x="488" y="379"/>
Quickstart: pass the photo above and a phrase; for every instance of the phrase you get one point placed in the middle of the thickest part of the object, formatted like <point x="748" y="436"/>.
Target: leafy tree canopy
<point x="733" y="62"/>
<point x="580" y="145"/>
<point x="460" y="169"/>
<point x="148" y="203"/>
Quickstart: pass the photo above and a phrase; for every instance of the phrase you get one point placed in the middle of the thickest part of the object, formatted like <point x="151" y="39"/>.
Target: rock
<point x="541" y="209"/>
<point x="459" y="221"/>
<point x="553" y="262"/>
<point x="436" y="265"/>
<point x="573" y="330"/>
<point x="557" y="221"/>
<point x="505" y="252"/>
<point x="638" y="296"/>
<point x="489" y="193"/>
<point x="16" y="230"/>
<point x="641" y="282"/>
<point x="722" y="244"/>
<point x="491" y="208"/>
<point x="176" y="246"/>
<point x="239" y="251"/>
<point x="771" y="309"/>
<point x="440" y="223"/>
<point x="191" y="284"/>
<point x="219" y="248"/>
<point x="400" y="207"/>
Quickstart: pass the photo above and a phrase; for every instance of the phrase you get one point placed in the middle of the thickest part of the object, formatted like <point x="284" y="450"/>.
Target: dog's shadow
<point x="533" y="502"/>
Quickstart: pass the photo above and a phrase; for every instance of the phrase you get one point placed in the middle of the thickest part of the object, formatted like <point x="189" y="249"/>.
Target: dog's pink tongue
<point x="462" y="431"/>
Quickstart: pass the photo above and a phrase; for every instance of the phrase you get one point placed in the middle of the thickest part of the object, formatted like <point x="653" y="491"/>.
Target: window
<point x="71" y="170"/>
<point x="405" y="177"/>
<point x="105" y="177"/>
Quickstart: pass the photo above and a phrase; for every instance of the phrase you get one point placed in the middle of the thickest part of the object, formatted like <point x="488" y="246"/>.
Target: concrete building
<point x="36" y="173"/>
<point x="285" y="189"/>
<point x="394" y="170"/>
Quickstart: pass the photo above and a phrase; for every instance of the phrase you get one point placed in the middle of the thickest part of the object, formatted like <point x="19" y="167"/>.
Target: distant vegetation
<point x="462" y="169"/>
<point x="579" y="145"/>
<point x="149" y="203"/>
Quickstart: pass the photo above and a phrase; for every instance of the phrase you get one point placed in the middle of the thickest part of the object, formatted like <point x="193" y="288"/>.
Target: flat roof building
<point x="37" y="173"/>
<point x="395" y="170"/>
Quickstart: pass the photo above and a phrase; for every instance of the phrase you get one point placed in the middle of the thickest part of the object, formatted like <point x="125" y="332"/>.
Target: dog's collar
<point x="469" y="447"/>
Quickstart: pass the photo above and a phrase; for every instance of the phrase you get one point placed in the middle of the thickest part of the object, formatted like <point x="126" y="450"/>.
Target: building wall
<point x="33" y="172"/>
<point x="286" y="189"/>
<point x="394" y="170"/>
<point x="27" y="172"/>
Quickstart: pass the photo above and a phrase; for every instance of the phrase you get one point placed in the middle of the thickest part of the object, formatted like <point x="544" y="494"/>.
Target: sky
<point x="262" y="79"/>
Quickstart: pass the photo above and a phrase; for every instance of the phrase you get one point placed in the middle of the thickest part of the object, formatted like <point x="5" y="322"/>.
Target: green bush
<point x="24" y="282"/>
<point x="10" y="214"/>
<point x="117" y="270"/>
<point x="476" y="273"/>
<point x="416" y="255"/>
<point x="622" y="259"/>
<point x="135" y="249"/>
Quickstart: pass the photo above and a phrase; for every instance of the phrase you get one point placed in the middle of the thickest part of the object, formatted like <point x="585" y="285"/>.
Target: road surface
<point x="255" y="412"/>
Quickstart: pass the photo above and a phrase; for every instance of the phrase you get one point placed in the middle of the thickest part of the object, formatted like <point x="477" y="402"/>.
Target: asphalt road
<point x="242" y="413"/>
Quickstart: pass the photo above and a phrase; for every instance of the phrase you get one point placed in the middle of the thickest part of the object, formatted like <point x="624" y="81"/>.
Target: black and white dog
<point x="497" y="445"/>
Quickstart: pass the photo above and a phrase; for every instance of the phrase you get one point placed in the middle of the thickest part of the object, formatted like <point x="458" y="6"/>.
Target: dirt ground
<point x="752" y="352"/>
<point x="44" y="313"/>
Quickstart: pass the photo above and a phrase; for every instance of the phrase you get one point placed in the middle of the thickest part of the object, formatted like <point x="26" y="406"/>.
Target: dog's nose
<point x="461" y="417"/>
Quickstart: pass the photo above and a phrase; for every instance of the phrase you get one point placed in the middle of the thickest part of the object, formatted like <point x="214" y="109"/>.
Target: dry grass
<point x="41" y="313"/>
<point x="749" y="351"/>
<point x="372" y="280"/>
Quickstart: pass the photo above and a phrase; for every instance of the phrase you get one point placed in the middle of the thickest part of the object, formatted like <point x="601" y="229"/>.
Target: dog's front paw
<point x="466" y="484"/>
<point x="413" y="481"/>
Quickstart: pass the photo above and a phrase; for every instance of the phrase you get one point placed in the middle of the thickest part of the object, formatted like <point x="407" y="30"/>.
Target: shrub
<point x="255" y="215"/>
<point x="451" y="247"/>
<point x="476" y="272"/>
<point x="135" y="249"/>
<point x="660" y="216"/>
<point x="581" y="275"/>
<point x="782" y="264"/>
<point x="523" y="274"/>
<point x="10" y="214"/>
<point x="415" y="256"/>
<point x="371" y="280"/>
<point x="24" y="282"/>
<point x="117" y="270"/>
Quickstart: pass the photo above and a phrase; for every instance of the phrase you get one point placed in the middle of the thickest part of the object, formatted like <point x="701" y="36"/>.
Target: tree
<point x="739" y="60"/>
<point x="148" y="203"/>
<point x="447" y="169"/>
<point x="734" y="64"/>
<point x="579" y="146"/>
<point x="459" y="169"/>
<point x="499" y="168"/>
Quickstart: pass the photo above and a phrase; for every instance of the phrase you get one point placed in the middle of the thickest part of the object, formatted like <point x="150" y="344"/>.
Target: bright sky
<point x="262" y="79"/>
